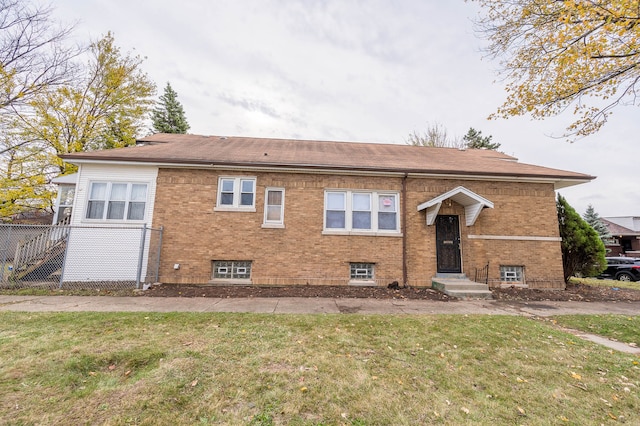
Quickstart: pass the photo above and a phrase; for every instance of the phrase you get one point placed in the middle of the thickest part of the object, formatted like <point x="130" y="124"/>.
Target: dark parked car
<point x="622" y="269"/>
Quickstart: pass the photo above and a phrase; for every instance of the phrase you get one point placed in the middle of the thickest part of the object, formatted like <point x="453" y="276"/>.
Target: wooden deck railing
<point x="37" y="247"/>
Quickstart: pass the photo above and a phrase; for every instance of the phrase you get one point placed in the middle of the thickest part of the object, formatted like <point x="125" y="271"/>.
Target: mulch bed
<point x="573" y="292"/>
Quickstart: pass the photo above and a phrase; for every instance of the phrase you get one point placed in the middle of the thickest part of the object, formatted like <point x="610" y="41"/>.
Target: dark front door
<point x="448" y="244"/>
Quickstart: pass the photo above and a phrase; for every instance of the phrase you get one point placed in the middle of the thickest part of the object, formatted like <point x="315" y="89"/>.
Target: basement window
<point x="361" y="273"/>
<point x="512" y="274"/>
<point x="230" y="271"/>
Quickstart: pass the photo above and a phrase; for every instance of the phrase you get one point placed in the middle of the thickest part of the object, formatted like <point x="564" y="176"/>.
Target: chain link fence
<point x="78" y="257"/>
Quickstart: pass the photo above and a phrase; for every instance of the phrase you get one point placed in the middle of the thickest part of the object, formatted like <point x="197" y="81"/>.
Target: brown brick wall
<point x="520" y="209"/>
<point x="195" y="234"/>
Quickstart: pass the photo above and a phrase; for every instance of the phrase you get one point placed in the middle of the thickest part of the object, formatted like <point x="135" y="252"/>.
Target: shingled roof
<point x="210" y="151"/>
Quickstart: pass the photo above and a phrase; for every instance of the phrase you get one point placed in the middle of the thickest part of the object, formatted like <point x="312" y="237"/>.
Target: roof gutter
<point x="558" y="180"/>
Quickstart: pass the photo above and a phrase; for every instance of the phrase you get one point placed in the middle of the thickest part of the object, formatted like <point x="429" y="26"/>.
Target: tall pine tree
<point x="168" y="115"/>
<point x="593" y="219"/>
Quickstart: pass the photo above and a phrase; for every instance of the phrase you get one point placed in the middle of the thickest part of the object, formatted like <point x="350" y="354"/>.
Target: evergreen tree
<point x="168" y="116"/>
<point x="474" y="140"/>
<point x="593" y="219"/>
<point x="582" y="249"/>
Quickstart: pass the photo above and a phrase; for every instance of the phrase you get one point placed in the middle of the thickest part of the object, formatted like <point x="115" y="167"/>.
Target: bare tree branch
<point x="33" y="56"/>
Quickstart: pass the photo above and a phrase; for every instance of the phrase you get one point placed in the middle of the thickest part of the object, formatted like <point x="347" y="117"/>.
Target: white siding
<point x="107" y="250"/>
<point x="113" y="173"/>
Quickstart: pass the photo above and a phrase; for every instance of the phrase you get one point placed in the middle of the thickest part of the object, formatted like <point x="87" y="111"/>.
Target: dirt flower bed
<point x="573" y="292"/>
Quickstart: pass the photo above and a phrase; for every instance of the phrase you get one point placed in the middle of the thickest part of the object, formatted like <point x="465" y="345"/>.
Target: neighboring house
<point x="291" y="212"/>
<point x="625" y="235"/>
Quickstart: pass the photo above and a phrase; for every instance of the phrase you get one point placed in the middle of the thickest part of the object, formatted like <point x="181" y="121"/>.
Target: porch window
<point x="512" y="274"/>
<point x="117" y="201"/>
<point x="236" y="193"/>
<point x="274" y="207"/>
<point x="232" y="269"/>
<point x="66" y="194"/>
<point x="361" y="211"/>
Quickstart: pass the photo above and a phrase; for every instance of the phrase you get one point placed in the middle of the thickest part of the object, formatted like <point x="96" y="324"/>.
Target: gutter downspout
<point x="404" y="230"/>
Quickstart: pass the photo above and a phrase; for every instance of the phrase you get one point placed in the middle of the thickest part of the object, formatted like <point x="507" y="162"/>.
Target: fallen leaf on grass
<point x="581" y="386"/>
<point x="194" y="383"/>
<point x="576" y="375"/>
<point x="112" y="367"/>
<point x="464" y="410"/>
<point x="521" y="411"/>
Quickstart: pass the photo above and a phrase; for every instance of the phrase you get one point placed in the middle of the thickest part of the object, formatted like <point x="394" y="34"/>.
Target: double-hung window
<point x="236" y="193"/>
<point x="274" y="208"/>
<point x="117" y="201"/>
<point x="361" y="211"/>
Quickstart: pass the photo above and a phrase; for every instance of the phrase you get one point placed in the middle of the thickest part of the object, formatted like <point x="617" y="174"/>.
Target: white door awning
<point x="472" y="203"/>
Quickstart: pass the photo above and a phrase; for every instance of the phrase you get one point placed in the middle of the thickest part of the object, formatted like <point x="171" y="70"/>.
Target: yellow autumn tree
<point x="23" y="178"/>
<point x="578" y="55"/>
<point x="104" y="107"/>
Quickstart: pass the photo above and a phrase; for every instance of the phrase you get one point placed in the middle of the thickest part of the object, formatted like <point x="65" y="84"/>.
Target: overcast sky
<point x="350" y="70"/>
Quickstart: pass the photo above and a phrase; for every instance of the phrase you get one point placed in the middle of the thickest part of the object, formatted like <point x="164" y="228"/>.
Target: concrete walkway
<point x="296" y="305"/>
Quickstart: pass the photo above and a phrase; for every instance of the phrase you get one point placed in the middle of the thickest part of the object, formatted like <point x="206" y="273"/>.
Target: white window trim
<point x="235" y="207"/>
<point x="348" y="229"/>
<point x="273" y="223"/>
<point x="109" y="184"/>
<point x="60" y="206"/>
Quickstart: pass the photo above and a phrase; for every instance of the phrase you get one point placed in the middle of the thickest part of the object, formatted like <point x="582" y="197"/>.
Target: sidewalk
<point x="296" y="305"/>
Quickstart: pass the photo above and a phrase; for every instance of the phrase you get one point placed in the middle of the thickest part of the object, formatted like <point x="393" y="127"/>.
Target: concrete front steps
<point x="459" y="286"/>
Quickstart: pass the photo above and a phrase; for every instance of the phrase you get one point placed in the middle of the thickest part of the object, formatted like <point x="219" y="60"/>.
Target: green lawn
<point x="617" y="327"/>
<point x="634" y="285"/>
<point x="195" y="368"/>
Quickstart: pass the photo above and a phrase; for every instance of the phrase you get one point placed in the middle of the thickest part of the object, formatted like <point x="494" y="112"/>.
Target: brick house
<point x="259" y="211"/>
<point x="625" y="235"/>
